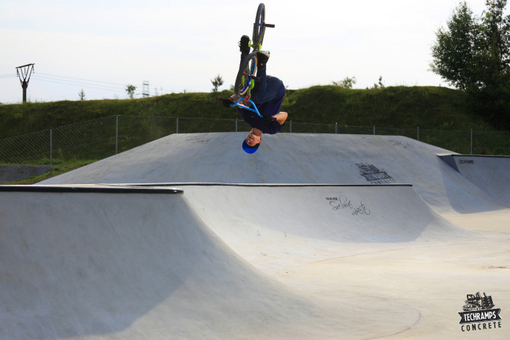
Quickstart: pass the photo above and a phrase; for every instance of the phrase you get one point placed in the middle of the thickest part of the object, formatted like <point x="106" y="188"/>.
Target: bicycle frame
<point x="254" y="109"/>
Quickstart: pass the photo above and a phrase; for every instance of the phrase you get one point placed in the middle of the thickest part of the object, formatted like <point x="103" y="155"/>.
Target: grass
<point x="57" y="170"/>
<point x="393" y="107"/>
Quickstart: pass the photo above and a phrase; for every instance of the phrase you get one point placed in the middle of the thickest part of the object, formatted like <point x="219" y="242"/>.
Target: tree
<point x="473" y="54"/>
<point x="130" y="89"/>
<point x="491" y="93"/>
<point x="495" y="39"/>
<point x="380" y="84"/>
<point x="81" y="94"/>
<point x="217" y="82"/>
<point x="346" y="83"/>
<point x="455" y="49"/>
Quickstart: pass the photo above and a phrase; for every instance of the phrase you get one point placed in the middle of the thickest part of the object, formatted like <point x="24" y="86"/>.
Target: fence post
<point x="418" y="134"/>
<point x="236" y="124"/>
<point x="290" y="127"/>
<point x="51" y="151"/>
<point x="116" y="133"/>
<point x="374" y="130"/>
<point x="336" y="128"/>
<point x="177" y="125"/>
<point x="471" y="141"/>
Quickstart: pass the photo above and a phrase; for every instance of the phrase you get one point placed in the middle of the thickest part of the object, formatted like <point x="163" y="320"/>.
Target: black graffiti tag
<point x="342" y="202"/>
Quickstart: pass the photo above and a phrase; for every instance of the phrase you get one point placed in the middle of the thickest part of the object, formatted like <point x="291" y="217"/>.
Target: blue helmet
<point x="250" y="149"/>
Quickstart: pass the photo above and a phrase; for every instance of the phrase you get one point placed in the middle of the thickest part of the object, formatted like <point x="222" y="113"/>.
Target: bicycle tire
<point x="259" y="27"/>
<point x="245" y="76"/>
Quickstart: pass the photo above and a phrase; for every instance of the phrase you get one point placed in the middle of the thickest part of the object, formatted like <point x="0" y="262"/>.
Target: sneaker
<point x="244" y="44"/>
<point x="262" y="58"/>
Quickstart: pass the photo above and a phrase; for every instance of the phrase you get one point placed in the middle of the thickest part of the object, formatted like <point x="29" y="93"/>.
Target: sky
<point x="178" y="46"/>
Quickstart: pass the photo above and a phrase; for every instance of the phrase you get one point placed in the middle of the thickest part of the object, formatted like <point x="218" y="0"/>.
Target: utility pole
<point x="146" y="90"/>
<point x="24" y="72"/>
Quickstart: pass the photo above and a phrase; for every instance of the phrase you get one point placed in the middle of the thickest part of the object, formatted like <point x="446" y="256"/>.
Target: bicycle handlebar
<point x="254" y="109"/>
<point x="236" y="104"/>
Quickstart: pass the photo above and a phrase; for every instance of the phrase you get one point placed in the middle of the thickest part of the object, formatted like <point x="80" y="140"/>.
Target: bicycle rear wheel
<point x="259" y="27"/>
<point x="245" y="77"/>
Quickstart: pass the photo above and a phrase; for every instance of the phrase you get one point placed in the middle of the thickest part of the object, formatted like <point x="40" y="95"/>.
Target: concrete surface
<point x="312" y="237"/>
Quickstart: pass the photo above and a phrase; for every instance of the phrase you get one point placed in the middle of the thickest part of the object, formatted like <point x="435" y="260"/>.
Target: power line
<point x="7" y="76"/>
<point x="77" y="82"/>
<point x="78" y="79"/>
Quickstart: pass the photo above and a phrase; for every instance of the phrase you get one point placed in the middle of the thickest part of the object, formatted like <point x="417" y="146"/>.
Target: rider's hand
<point x="227" y="102"/>
<point x="268" y="119"/>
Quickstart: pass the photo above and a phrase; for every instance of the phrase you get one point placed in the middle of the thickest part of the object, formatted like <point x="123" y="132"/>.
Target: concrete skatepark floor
<point x="312" y="237"/>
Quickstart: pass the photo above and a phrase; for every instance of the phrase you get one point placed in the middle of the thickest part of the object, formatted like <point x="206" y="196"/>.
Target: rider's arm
<point x="281" y="117"/>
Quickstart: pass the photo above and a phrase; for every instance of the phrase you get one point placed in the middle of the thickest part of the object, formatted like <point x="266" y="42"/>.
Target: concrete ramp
<point x="489" y="173"/>
<point x="95" y="262"/>
<point x="293" y="158"/>
<point x="274" y="226"/>
<point x="338" y="213"/>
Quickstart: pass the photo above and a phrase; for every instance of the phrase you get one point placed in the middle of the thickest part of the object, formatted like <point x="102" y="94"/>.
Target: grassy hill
<point x="392" y="107"/>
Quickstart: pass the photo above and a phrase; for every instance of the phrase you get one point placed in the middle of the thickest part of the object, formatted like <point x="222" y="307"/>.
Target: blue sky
<point x="102" y="46"/>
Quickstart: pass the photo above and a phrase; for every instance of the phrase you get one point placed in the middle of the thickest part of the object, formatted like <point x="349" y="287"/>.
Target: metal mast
<point x="24" y="72"/>
<point x="145" y="92"/>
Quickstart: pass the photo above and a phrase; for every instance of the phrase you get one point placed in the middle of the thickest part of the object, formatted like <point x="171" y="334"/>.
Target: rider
<point x="268" y="95"/>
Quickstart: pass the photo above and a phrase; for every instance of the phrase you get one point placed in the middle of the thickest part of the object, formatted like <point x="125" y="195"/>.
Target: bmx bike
<point x="246" y="77"/>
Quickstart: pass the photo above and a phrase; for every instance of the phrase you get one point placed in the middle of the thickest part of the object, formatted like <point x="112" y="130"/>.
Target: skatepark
<point x="315" y="236"/>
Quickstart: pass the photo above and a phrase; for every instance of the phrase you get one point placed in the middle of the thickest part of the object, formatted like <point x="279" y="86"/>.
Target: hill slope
<point x="394" y="107"/>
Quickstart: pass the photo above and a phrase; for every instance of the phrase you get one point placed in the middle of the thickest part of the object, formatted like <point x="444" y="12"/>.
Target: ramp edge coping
<point x="220" y="184"/>
<point x="89" y="189"/>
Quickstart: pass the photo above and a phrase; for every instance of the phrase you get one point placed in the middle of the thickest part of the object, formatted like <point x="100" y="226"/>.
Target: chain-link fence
<point x="37" y="153"/>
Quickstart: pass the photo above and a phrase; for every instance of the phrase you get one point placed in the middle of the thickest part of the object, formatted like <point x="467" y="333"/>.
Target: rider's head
<point x="252" y="141"/>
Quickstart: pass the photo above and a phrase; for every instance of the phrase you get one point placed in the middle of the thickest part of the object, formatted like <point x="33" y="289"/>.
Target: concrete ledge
<point x="89" y="189"/>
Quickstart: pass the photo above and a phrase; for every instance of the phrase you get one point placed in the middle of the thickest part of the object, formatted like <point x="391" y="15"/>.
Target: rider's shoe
<point x="244" y="44"/>
<point x="262" y="58"/>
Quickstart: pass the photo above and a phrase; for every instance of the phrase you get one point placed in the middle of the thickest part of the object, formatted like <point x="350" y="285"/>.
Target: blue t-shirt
<point x="270" y="108"/>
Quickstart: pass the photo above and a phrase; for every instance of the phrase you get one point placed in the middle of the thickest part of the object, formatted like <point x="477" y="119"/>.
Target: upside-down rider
<point x="267" y="95"/>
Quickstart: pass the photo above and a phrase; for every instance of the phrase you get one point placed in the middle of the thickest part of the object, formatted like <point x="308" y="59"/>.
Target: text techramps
<point x="312" y="237"/>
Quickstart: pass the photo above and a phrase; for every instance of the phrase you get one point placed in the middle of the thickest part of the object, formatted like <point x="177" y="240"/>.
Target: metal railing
<point x="100" y="138"/>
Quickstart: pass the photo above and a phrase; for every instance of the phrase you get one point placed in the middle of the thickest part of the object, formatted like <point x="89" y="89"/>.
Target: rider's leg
<point x="261" y="85"/>
<point x="244" y="48"/>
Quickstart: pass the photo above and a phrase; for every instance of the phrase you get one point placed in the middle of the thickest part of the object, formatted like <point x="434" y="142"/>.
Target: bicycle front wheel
<point x="245" y="77"/>
<point x="259" y="27"/>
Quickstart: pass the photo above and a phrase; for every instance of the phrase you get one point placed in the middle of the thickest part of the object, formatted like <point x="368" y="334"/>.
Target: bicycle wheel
<point x="245" y="77"/>
<point x="259" y="27"/>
